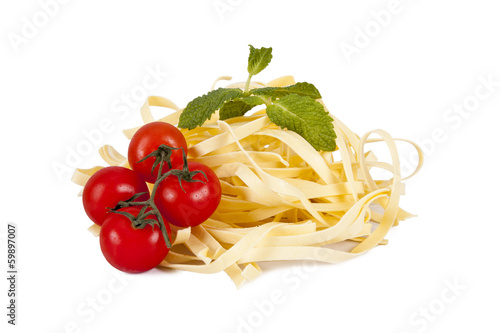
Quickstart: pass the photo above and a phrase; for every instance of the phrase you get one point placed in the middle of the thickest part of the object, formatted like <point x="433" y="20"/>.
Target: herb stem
<point x="247" y="84"/>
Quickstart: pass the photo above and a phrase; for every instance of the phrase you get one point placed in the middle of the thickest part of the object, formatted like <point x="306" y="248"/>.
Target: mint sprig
<point x="292" y="107"/>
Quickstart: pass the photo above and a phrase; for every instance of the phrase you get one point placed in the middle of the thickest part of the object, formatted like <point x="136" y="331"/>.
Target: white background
<point x="65" y="72"/>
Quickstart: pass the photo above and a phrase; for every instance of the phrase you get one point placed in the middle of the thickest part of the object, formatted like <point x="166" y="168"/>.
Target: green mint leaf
<point x="255" y="100"/>
<point x="258" y="59"/>
<point x="300" y="88"/>
<point x="306" y="117"/>
<point x="238" y="107"/>
<point x="201" y="108"/>
<point x="233" y="109"/>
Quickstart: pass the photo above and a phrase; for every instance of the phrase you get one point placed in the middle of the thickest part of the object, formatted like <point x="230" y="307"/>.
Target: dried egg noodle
<point x="281" y="199"/>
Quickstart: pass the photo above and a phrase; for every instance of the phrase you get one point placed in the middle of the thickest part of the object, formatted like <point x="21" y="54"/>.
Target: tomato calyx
<point x="141" y="220"/>
<point x="162" y="154"/>
<point x="184" y="174"/>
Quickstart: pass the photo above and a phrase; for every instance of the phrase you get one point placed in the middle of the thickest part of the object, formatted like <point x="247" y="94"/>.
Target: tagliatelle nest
<point x="281" y="199"/>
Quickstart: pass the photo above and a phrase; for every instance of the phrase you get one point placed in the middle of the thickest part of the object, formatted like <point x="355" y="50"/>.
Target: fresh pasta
<point x="281" y="199"/>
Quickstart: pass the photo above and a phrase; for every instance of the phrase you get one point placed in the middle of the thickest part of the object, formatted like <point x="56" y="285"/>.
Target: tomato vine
<point x="162" y="155"/>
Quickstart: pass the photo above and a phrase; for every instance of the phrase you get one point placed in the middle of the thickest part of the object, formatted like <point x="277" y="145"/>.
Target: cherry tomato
<point x="107" y="187"/>
<point x="192" y="204"/>
<point x="146" y="140"/>
<point x="131" y="249"/>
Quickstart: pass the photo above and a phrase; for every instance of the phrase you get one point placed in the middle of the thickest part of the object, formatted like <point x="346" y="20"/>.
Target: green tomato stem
<point x="162" y="155"/>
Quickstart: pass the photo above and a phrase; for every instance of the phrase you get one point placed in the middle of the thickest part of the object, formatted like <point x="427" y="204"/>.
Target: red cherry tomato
<point x="107" y="187"/>
<point x="130" y="249"/>
<point x="192" y="204"/>
<point x="146" y="140"/>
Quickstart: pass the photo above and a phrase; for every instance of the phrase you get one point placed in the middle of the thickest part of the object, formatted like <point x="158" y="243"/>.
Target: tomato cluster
<point x="135" y="223"/>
